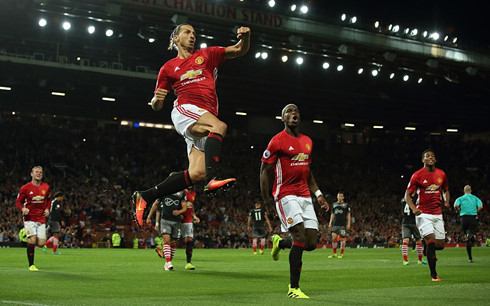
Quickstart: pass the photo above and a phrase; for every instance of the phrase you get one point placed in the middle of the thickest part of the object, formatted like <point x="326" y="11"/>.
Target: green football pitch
<point x="228" y="277"/>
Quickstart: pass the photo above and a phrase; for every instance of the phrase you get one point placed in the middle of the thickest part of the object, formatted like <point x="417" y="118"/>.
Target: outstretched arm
<point x="242" y="46"/>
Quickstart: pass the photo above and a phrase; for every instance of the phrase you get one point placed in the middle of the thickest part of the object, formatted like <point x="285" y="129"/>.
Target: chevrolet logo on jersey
<point x="38" y="198"/>
<point x="190" y="74"/>
<point x="432" y="187"/>
<point x="300" y="157"/>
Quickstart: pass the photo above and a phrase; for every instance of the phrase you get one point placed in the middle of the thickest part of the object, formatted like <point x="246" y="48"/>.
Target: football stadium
<point x="339" y="154"/>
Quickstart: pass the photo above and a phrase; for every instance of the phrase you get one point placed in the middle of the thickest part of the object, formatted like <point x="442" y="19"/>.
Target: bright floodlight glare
<point x="304" y="9"/>
<point x="326" y="65"/>
<point x="360" y="71"/>
<point x="396" y="28"/>
<point x="424" y="34"/>
<point x="390" y="27"/>
<point x="455" y="39"/>
<point x="264" y="55"/>
<point x="392" y="75"/>
<point x="42" y="22"/>
<point x="414" y="32"/>
<point x="374" y="72"/>
<point x="299" y="60"/>
<point x="353" y="20"/>
<point x="109" y="32"/>
<point x="151" y="40"/>
<point x="343" y="17"/>
<point x="376" y="24"/>
<point x="406" y="77"/>
<point x="272" y="3"/>
<point x="284" y="58"/>
<point x="66" y="25"/>
<point x="340" y="67"/>
<point x="203" y="45"/>
<point x="257" y="55"/>
<point x="91" y="29"/>
<point x="434" y="36"/>
<point x="406" y="31"/>
<point x="293" y="8"/>
<point x="446" y="38"/>
<point x="420" y="80"/>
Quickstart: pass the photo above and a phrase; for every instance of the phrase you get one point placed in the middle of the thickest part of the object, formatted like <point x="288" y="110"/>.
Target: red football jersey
<point x="190" y="197"/>
<point x="292" y="158"/>
<point x="194" y="78"/>
<point x="429" y="186"/>
<point x="36" y="199"/>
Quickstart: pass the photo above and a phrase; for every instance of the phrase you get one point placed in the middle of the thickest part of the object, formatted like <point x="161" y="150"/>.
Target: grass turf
<point x="229" y="277"/>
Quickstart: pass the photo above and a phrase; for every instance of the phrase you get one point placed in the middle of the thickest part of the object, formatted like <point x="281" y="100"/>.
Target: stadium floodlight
<point x="151" y="40"/>
<point x="378" y="127"/>
<point x="414" y="32"/>
<point x="446" y="38"/>
<point x="57" y="93"/>
<point x="395" y="28"/>
<point x="349" y="124"/>
<point x="304" y="9"/>
<point x="406" y="77"/>
<point x="293" y="7"/>
<point x="66" y="25"/>
<point x="91" y="29"/>
<point x="326" y="65"/>
<point x="108" y="99"/>
<point x="42" y="22"/>
<point x="278" y="117"/>
<point x="340" y="67"/>
<point x="452" y="130"/>
<point x="420" y="80"/>
<point x="353" y="20"/>
<point x="434" y="36"/>
<point x="299" y="60"/>
<point x="360" y="71"/>
<point x="271" y="3"/>
<point x="264" y="55"/>
<point x="318" y="121"/>
<point x="376" y="24"/>
<point x="392" y="75"/>
<point x="240" y="113"/>
<point x="203" y="45"/>
<point x="5" y="88"/>
<point x="374" y="72"/>
<point x="284" y="58"/>
<point x="109" y="32"/>
<point x="406" y="31"/>
<point x="455" y="39"/>
<point x="424" y="34"/>
<point x="257" y="55"/>
<point x="410" y="128"/>
<point x="343" y="17"/>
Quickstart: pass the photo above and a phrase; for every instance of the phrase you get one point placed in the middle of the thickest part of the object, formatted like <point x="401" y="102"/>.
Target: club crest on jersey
<point x="308" y="147"/>
<point x="300" y="157"/>
<point x="439" y="180"/>
<point x="190" y="74"/>
<point x="290" y="220"/>
<point x="199" y="60"/>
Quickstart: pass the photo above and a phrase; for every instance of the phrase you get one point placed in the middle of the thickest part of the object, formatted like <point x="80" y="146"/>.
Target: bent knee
<point x="220" y="127"/>
<point x="197" y="176"/>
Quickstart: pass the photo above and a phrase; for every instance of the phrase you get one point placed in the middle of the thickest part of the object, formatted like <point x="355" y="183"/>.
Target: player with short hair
<point x="468" y="206"/>
<point x="259" y="217"/>
<point x="431" y="186"/>
<point x="55" y="221"/>
<point x="168" y="224"/>
<point x="189" y="216"/>
<point x="409" y="229"/>
<point x="192" y="75"/>
<point x="34" y="200"/>
<point x="340" y="219"/>
<point x="288" y="158"/>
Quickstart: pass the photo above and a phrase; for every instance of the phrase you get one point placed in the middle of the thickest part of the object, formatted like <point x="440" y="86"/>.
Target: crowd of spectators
<point x="98" y="165"/>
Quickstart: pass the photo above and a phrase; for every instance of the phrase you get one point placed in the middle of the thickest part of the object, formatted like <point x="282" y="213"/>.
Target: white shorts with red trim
<point x="35" y="229"/>
<point x="184" y="116"/>
<point x="293" y="210"/>
<point x="431" y="224"/>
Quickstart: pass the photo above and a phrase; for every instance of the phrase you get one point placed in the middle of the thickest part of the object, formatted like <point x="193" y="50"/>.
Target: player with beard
<point x="192" y="75"/>
<point x="288" y="158"/>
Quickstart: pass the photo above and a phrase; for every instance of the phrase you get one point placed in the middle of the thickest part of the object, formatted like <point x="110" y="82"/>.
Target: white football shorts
<point x="187" y="230"/>
<point x="293" y="210"/>
<point x="184" y="116"/>
<point x="431" y="224"/>
<point x="35" y="229"/>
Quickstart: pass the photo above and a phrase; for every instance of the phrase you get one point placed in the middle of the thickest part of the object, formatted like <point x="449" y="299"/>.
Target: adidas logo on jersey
<point x="425" y="181"/>
<point x="176" y="68"/>
<point x="291" y="148"/>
